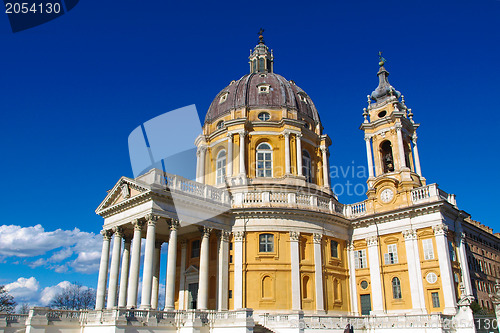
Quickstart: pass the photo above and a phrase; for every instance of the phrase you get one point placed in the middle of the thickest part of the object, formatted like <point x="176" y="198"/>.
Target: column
<point x="201" y="164"/>
<point x="318" y="273"/>
<point x="352" y="279"/>
<point x="115" y="267"/>
<point x="103" y="270"/>
<point x="239" y="237"/>
<point x="122" y="295"/>
<point x="464" y="267"/>
<point x="415" y="155"/>
<point x="286" y="134"/>
<point x="401" y="150"/>
<point x="369" y="156"/>
<point x="198" y="164"/>
<point x="147" y="270"/>
<point x="242" y="153"/>
<point x="414" y="271"/>
<point x="326" y="174"/>
<point x="294" y="262"/>
<point x="223" y="271"/>
<point x="298" y="139"/>
<point x="204" y="262"/>
<point x="156" y="275"/>
<point x="375" y="277"/>
<point x="171" y="266"/>
<point x="135" y="263"/>
<point x="182" y="282"/>
<point x="229" y="164"/>
<point x="447" y="283"/>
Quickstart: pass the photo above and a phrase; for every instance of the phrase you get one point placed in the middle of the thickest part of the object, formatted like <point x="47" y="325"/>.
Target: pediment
<point x="124" y="189"/>
<point x="192" y="270"/>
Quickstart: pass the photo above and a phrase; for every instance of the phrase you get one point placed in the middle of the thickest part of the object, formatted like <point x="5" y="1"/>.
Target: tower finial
<point x="261" y="37"/>
<point x="381" y="59"/>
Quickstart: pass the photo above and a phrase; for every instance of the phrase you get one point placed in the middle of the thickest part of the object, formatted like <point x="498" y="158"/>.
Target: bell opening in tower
<point x="387" y="157"/>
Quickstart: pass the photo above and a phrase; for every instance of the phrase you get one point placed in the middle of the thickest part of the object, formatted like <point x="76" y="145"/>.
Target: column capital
<point x="440" y="229"/>
<point x="372" y="241"/>
<point x="298" y="135"/>
<point x="324" y="149"/>
<point x="118" y="231"/>
<point x="230" y="135"/>
<point x="368" y="137"/>
<point x="127" y="238"/>
<point x="350" y="245"/>
<point x="242" y="133"/>
<point x="151" y="219"/>
<point x="409" y="234"/>
<point x="173" y="224"/>
<point x="398" y="126"/>
<point x="138" y="225"/>
<point x="106" y="234"/>
<point x="317" y="238"/>
<point x="239" y="236"/>
<point x="224" y="235"/>
<point x="205" y="231"/>
<point x="294" y="236"/>
<point x="201" y="149"/>
<point x="183" y="243"/>
<point x="286" y="133"/>
<point x="414" y="138"/>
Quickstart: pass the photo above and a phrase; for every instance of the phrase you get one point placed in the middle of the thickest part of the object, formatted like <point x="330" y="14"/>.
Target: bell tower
<point x="391" y="146"/>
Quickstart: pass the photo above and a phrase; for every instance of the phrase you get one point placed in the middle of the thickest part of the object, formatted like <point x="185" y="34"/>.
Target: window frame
<point x="267" y="242"/>
<point x="264" y="114"/>
<point x="391" y="257"/>
<point x="334" y="254"/>
<point x="428" y="249"/>
<point x="360" y="259"/>
<point x="307" y="165"/>
<point x="264" y="169"/>
<point x="396" y="288"/>
<point x="193" y="249"/>
<point x="435" y="299"/>
<point x="220" y="170"/>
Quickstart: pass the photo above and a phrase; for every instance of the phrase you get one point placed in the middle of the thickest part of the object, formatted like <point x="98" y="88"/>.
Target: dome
<point x="262" y="91"/>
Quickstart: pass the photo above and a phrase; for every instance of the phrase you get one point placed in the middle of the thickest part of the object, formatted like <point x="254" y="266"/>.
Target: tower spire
<point x="384" y="89"/>
<point x="261" y="58"/>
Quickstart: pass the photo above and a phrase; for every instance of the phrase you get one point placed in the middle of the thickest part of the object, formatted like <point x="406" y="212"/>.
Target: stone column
<point x="318" y="273"/>
<point x="326" y="174"/>
<point x="201" y="164"/>
<point x="239" y="237"/>
<point x="414" y="271"/>
<point x="115" y="267"/>
<point x="295" y="270"/>
<point x="156" y="275"/>
<point x="229" y="164"/>
<point x="147" y="270"/>
<point x="375" y="277"/>
<point x="103" y="270"/>
<point x="298" y="139"/>
<point x="135" y="263"/>
<point x="447" y="283"/>
<point x="122" y="295"/>
<point x="417" y="158"/>
<point x="223" y="271"/>
<point x="464" y="267"/>
<point x="399" y="133"/>
<point x="171" y="266"/>
<point x="352" y="279"/>
<point x="182" y="282"/>
<point x="204" y="266"/>
<point x="286" y="134"/>
<point x="369" y="156"/>
<point x="242" y="153"/>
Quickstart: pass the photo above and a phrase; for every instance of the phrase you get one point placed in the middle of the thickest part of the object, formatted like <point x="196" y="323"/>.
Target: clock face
<point x="386" y="195"/>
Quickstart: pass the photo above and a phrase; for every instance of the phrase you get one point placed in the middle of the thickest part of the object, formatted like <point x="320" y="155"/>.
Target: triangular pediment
<point x="124" y="189"/>
<point x="192" y="270"/>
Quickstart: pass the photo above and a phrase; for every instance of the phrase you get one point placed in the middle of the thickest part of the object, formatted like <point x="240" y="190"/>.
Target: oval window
<point x="382" y="114"/>
<point x="364" y="284"/>
<point x="431" y="277"/>
<point x="264" y="116"/>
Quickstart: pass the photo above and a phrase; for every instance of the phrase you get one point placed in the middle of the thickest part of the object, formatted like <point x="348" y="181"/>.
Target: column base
<point x="145" y="307"/>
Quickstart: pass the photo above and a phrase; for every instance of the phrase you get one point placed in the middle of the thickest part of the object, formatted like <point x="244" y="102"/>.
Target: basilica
<point x="278" y="252"/>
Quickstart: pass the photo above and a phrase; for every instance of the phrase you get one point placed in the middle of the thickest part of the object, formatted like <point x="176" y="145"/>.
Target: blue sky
<point x="73" y="89"/>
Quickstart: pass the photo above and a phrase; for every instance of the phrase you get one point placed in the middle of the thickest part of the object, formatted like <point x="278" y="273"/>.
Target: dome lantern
<point x="261" y="59"/>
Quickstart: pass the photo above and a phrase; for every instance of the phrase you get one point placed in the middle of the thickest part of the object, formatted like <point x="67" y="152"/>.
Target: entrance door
<point x="193" y="295"/>
<point x="366" y="304"/>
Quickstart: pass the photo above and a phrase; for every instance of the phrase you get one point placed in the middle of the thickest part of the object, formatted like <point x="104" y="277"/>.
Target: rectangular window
<point x="195" y="249"/>
<point x="230" y="246"/>
<point x="391" y="257"/>
<point x="334" y="249"/>
<point x="230" y="294"/>
<point x="360" y="259"/>
<point x="266" y="243"/>
<point x="428" y="249"/>
<point x="453" y="255"/>
<point x="435" y="300"/>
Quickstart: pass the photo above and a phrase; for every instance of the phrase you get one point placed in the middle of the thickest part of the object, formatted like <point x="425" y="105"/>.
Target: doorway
<point x="192" y="295"/>
<point x="366" y="304"/>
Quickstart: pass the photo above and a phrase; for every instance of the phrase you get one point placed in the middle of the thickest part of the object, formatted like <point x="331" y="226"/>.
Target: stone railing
<point x="431" y="193"/>
<point x="355" y="209"/>
<point x="199" y="190"/>
<point x="282" y="199"/>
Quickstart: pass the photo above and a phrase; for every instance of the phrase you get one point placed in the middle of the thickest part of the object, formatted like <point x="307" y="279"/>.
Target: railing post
<point x="266" y="197"/>
<point x="292" y="198"/>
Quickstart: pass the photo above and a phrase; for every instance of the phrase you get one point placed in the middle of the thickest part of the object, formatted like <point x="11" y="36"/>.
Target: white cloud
<point x="48" y="293"/>
<point x="61" y="247"/>
<point x="24" y="290"/>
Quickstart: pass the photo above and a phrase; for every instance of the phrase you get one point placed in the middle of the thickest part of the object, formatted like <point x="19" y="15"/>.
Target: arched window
<point x="305" y="286"/>
<point x="396" y="288"/>
<point x="387" y="157"/>
<point x="220" y="167"/>
<point x="306" y="166"/>
<point x="264" y="160"/>
<point x="220" y="124"/>
<point x="407" y="150"/>
<point x="266" y="243"/>
<point x="261" y="65"/>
